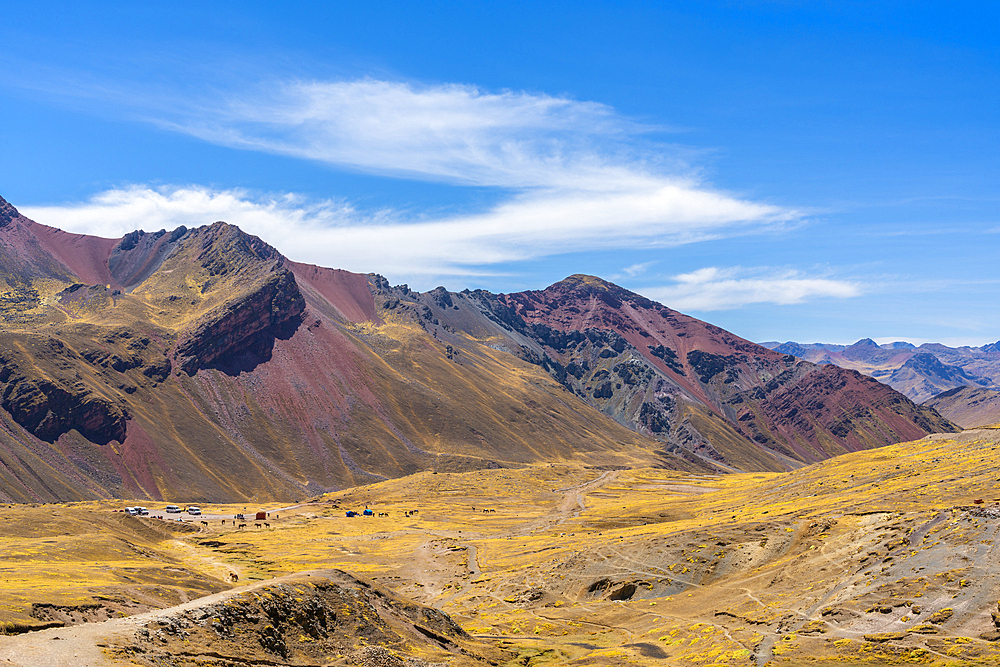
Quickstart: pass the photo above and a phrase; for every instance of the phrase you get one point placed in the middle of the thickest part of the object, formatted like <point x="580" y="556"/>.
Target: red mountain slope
<point x="662" y="372"/>
<point x="201" y="365"/>
<point x="212" y="368"/>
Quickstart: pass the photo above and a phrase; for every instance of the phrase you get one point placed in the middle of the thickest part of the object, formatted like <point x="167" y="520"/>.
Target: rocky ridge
<point x="202" y="369"/>
<point x="201" y="364"/>
<point x="696" y="388"/>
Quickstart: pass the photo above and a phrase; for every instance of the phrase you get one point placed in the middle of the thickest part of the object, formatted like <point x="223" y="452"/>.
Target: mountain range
<point x="202" y="365"/>
<point x="919" y="372"/>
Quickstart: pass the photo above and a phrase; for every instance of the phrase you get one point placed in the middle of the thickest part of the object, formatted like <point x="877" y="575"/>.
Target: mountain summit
<point x="202" y="365"/>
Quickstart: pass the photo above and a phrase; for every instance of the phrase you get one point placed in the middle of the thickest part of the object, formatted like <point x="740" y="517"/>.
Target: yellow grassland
<point x="877" y="557"/>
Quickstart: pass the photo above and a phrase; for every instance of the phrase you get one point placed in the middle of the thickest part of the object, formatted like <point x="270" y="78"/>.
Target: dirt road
<point x="83" y="645"/>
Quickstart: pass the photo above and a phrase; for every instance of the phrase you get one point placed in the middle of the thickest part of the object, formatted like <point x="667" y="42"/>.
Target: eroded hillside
<point x="698" y="389"/>
<point x="968" y="406"/>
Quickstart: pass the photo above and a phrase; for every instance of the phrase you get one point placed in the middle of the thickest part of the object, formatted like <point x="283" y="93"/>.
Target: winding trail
<point x="572" y="505"/>
<point x="83" y="645"/>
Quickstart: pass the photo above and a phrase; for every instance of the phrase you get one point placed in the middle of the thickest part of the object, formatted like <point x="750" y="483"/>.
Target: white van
<point x="131" y="511"/>
<point x="173" y="509"/>
<point x="194" y="511"/>
<point x="142" y="511"/>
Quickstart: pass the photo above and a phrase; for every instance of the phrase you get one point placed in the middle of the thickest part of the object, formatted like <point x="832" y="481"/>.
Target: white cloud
<point x="114" y="213"/>
<point x="333" y="234"/>
<point x="577" y="177"/>
<point x="454" y="133"/>
<point x="634" y="270"/>
<point x="713" y="288"/>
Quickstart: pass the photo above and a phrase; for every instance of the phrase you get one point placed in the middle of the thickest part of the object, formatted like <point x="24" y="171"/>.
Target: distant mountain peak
<point x="865" y="342"/>
<point x="791" y="348"/>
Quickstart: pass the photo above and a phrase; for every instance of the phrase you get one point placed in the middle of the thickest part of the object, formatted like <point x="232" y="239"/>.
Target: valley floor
<point x="880" y="557"/>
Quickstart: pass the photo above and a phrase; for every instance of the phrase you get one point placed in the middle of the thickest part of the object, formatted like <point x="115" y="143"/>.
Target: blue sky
<point x="810" y="171"/>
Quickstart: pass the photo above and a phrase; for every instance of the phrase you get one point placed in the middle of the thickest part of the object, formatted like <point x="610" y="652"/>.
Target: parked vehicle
<point x="194" y="511"/>
<point x="131" y="511"/>
<point x="142" y="511"/>
<point x="173" y="509"/>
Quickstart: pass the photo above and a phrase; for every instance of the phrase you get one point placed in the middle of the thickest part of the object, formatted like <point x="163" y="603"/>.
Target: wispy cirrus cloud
<point x="713" y="288"/>
<point x="633" y="270"/>
<point x="453" y="133"/>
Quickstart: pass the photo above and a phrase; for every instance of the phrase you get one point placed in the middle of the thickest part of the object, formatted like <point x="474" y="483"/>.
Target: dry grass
<point x="855" y="560"/>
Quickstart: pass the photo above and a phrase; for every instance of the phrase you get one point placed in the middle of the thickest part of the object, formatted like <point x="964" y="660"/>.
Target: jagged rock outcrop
<point x="248" y="324"/>
<point x="139" y="254"/>
<point x="7" y="213"/>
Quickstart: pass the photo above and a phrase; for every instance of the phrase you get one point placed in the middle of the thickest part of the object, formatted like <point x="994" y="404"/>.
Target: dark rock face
<point x="248" y="324"/>
<point x="48" y="408"/>
<point x="7" y="213"/>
